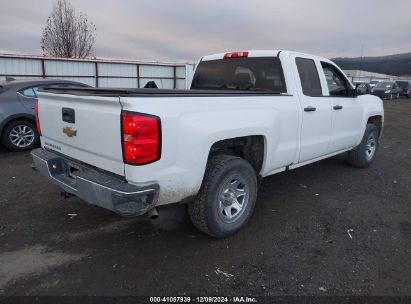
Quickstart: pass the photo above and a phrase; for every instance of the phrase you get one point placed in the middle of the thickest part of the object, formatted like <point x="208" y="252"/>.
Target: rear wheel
<point x="20" y="135"/>
<point x="364" y="154"/>
<point x="227" y="197"/>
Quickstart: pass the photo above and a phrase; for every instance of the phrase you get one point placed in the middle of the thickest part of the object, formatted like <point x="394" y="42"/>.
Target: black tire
<point x="360" y="156"/>
<point x="205" y="212"/>
<point x="8" y="143"/>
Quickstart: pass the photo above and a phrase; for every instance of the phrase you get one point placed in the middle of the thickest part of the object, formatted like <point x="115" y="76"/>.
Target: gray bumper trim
<point x="95" y="187"/>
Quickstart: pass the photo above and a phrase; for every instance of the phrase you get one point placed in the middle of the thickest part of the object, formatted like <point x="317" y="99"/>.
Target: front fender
<point x="373" y="106"/>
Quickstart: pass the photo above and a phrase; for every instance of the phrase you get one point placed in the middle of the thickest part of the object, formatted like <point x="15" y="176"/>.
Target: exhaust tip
<point x="66" y="195"/>
<point x="153" y="214"/>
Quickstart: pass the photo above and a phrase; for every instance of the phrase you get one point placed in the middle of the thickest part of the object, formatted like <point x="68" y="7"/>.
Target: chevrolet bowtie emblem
<point x="69" y="131"/>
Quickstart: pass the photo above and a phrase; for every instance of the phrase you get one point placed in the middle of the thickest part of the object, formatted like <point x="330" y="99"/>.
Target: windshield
<point x="384" y="85"/>
<point x="374" y="82"/>
<point x="403" y="84"/>
<point x="247" y="74"/>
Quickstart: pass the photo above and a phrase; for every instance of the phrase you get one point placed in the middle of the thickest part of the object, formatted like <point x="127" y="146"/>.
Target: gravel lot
<point x="324" y="229"/>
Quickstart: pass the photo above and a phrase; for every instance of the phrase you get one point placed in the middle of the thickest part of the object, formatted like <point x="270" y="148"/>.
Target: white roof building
<point x="364" y="76"/>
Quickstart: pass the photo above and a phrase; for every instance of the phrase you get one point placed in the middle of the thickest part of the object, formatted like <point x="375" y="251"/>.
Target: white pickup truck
<point x="247" y="115"/>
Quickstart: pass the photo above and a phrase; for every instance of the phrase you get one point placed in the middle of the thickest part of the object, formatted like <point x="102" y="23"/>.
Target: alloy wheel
<point x="22" y="136"/>
<point x="233" y="198"/>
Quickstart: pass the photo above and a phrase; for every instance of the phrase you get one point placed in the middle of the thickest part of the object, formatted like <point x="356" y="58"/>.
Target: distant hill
<point x="397" y="65"/>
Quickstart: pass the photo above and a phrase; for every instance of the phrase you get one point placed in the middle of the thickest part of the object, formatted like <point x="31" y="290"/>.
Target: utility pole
<point x="362" y="57"/>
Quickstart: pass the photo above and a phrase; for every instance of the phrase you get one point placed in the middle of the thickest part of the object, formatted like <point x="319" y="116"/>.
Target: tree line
<point x="396" y="65"/>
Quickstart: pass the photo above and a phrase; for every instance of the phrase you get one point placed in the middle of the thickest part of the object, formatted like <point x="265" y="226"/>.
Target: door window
<point x="29" y="92"/>
<point x="337" y="85"/>
<point x="310" y="81"/>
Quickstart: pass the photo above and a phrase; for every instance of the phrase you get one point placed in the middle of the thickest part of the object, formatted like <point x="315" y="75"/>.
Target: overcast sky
<point x="183" y="30"/>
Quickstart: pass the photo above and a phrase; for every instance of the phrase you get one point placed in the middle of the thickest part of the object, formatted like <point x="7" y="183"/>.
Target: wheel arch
<point x="377" y="120"/>
<point x="251" y="148"/>
<point x="15" y="117"/>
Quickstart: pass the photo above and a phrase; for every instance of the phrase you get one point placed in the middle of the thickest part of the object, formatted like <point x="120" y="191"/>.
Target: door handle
<point x="337" y="107"/>
<point x="68" y="115"/>
<point x="309" y="109"/>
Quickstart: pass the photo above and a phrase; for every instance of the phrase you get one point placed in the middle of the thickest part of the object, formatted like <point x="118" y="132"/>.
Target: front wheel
<point x="227" y="197"/>
<point x="20" y="135"/>
<point x="364" y="154"/>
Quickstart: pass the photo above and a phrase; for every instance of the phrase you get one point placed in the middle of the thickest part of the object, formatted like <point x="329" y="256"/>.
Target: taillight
<point x="235" y="55"/>
<point x="36" y="112"/>
<point x="141" y="138"/>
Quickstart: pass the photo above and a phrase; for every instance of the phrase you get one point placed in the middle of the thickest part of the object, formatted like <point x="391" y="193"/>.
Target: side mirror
<point x="353" y="92"/>
<point x="362" y="89"/>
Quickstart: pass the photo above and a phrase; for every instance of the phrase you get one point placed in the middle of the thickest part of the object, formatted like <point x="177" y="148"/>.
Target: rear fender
<point x="186" y="143"/>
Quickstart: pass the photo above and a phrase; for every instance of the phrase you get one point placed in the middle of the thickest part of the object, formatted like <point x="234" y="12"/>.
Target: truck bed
<point x="113" y="92"/>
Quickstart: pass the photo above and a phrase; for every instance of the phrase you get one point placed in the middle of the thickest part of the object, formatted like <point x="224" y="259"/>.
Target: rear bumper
<point x="95" y="187"/>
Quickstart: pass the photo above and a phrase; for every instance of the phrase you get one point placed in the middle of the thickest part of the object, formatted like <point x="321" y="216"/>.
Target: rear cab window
<point x="244" y="74"/>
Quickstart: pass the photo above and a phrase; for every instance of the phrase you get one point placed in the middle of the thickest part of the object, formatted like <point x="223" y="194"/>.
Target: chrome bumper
<point x="94" y="186"/>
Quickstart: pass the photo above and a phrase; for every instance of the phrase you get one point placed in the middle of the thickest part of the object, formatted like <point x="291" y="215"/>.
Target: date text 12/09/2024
<point x="203" y="299"/>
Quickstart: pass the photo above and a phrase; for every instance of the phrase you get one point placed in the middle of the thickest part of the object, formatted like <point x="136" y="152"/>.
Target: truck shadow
<point x="281" y="192"/>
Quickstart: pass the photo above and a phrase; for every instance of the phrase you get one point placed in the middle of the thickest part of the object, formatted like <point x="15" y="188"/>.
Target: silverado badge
<point x="69" y="131"/>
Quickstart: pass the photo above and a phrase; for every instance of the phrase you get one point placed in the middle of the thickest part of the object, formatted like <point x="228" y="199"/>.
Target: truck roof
<point x="261" y="53"/>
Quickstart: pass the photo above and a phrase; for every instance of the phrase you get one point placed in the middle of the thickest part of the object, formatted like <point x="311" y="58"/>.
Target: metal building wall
<point x="20" y="68"/>
<point x="71" y="70"/>
<point x="98" y="73"/>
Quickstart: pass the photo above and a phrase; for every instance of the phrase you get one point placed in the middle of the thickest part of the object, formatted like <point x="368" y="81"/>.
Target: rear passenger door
<point x="346" y="109"/>
<point x="316" y="111"/>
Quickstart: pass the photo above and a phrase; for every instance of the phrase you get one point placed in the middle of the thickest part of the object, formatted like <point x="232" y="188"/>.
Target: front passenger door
<point x="347" y="110"/>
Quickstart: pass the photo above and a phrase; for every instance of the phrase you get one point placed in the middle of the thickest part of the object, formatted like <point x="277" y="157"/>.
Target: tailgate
<point x="85" y="128"/>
